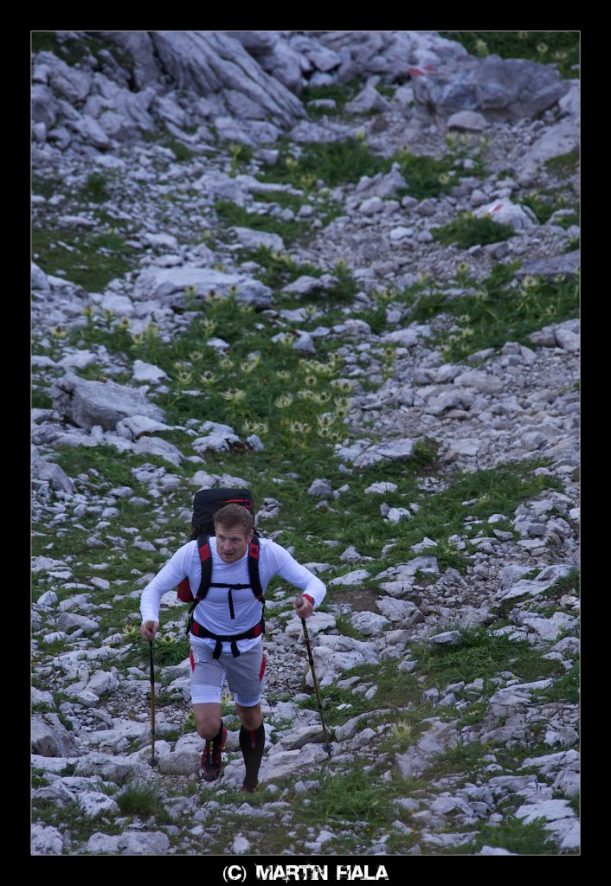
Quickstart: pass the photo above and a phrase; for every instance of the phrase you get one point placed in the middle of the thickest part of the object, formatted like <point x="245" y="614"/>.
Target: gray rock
<point x="320" y="489"/>
<point x="504" y="212"/>
<point x="502" y="89"/>
<point x="394" y="450"/>
<point x="469" y="121"/>
<point x="181" y="763"/>
<point x="68" y="620"/>
<point x="563" y="138"/>
<point x="381" y="488"/>
<point x="565" y="264"/>
<point x="91" y="403"/>
<point x="39" y="696"/>
<point x="275" y="55"/>
<point x="446" y="638"/>
<point x="306" y="285"/>
<point x="112" y="768"/>
<point x="90" y="131"/>
<point x="210" y="62"/>
<point x="297" y="738"/>
<point x="147" y="372"/>
<point x="168" y="286"/>
<point x="482" y="381"/>
<point x="46" y="840"/>
<point x="351" y="578"/>
<point x="39" y="279"/>
<point x="94" y="804"/>
<point x="50" y="738"/>
<point x="437" y="739"/>
<point x="53" y="474"/>
<point x="570" y="102"/>
<point x="143" y="843"/>
<point x="240" y="845"/>
<point x="351" y="555"/>
<point x="252" y="239"/>
<point x="218" y="438"/>
<point x="401" y="611"/>
<point x="296" y="762"/>
<point x="133" y="427"/>
<point x="319" y="621"/>
<point x="369" y="623"/>
<point x="102" y="844"/>
<point x="44" y="105"/>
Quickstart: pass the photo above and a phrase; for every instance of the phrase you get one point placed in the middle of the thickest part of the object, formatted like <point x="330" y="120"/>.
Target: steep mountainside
<point x="341" y="269"/>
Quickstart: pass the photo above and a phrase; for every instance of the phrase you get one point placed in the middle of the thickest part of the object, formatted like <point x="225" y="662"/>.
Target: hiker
<point x="226" y="628"/>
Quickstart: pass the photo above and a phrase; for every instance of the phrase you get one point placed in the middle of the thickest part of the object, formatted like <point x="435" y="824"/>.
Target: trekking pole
<point x="326" y="743"/>
<point x="153" y="761"/>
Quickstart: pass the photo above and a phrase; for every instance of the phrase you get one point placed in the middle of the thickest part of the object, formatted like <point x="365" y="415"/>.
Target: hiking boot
<point x="212" y="757"/>
<point x="248" y="789"/>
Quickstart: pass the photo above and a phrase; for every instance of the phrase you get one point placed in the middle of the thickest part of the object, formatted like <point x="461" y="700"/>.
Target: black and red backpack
<point x="206" y="503"/>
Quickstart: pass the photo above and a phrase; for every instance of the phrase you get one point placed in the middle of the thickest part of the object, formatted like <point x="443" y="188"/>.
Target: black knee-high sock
<point x="252" y="743"/>
<point x="218" y="735"/>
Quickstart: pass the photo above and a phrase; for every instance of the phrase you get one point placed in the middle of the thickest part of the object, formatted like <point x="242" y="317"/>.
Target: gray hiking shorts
<point x="244" y="675"/>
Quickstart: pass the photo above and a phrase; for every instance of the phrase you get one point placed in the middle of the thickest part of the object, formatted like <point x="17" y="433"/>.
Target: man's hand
<point x="304" y="606"/>
<point x="148" y="629"/>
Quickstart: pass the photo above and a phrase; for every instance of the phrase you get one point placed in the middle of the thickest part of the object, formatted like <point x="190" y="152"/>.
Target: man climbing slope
<point x="226" y="629"/>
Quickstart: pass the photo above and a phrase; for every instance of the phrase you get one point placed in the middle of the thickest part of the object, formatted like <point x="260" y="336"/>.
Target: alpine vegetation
<point x="336" y="274"/>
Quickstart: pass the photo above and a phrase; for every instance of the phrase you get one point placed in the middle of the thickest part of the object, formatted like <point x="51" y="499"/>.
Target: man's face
<point x="232" y="544"/>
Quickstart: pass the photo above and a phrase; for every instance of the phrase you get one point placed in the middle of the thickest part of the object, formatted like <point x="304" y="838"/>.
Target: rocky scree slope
<point x="239" y="281"/>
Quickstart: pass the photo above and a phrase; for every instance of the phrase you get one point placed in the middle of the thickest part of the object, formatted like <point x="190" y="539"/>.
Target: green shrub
<point x="95" y="188"/>
<point x="467" y="230"/>
<point x="143" y="799"/>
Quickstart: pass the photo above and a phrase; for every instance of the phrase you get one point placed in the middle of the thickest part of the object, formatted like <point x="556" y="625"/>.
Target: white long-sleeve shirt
<point x="213" y="611"/>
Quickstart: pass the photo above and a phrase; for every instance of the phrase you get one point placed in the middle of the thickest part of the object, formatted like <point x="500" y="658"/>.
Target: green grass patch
<point x="515" y="836"/>
<point x="241" y="158"/>
<point x="46" y="187"/>
<point x="545" y="203"/>
<point x="559" y="47"/>
<point x="89" y="260"/>
<point x="105" y="464"/>
<point x="564" y="164"/>
<point x="170" y="650"/>
<point x="95" y="188"/>
<point x="355" y="519"/>
<point x="281" y="198"/>
<point x="337" y="163"/>
<point x="233" y="215"/>
<point x="333" y="163"/>
<point x="393" y="690"/>
<point x="40" y="399"/>
<point x="482" y="655"/>
<point x="277" y="269"/>
<point x="340" y="93"/>
<point x="427" y="176"/>
<point x="490" y="491"/>
<point x="565" y="689"/>
<point x="357" y="796"/>
<point x="467" y="230"/>
<point x="142" y="799"/>
<point x="464" y="759"/>
<point x="499" y="312"/>
<point x="181" y="152"/>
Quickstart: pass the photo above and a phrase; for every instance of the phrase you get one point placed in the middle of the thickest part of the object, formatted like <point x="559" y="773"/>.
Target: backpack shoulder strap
<point x="254" y="549"/>
<point x="205" y="556"/>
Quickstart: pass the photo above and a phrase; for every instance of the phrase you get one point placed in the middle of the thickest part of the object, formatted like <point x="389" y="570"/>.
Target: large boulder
<point x="169" y="286"/>
<point x="50" y="738"/>
<point x="91" y="403"/>
<point x="213" y="63"/>
<point x="505" y="89"/>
